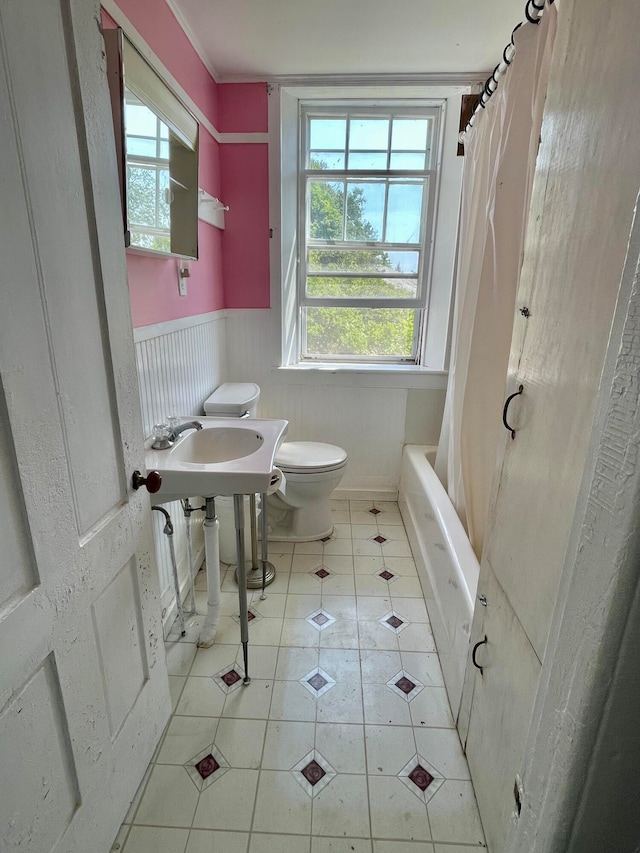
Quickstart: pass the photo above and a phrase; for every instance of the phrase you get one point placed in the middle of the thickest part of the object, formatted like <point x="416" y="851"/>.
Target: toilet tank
<point x="233" y="400"/>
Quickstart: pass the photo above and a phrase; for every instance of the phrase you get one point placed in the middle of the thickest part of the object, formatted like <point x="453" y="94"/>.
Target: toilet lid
<point x="231" y="398"/>
<point x="298" y="456"/>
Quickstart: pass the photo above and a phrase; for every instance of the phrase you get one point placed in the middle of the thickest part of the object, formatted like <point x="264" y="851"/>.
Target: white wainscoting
<point x="179" y="364"/>
<point x="371" y="415"/>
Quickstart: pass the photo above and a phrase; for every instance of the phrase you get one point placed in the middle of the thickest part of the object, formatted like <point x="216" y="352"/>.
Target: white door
<point x="83" y="684"/>
<point x="583" y="199"/>
<point x="556" y="355"/>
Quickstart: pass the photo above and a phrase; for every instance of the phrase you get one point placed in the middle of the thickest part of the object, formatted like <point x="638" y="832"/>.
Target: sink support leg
<point x="212" y="559"/>
<point x="238" y="511"/>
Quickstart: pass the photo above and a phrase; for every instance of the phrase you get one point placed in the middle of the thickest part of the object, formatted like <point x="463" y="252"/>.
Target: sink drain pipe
<point x="211" y="527"/>
<point x="168" y="531"/>
<point x="188" y="510"/>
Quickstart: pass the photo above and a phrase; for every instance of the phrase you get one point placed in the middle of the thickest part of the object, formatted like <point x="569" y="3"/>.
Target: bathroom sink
<point x="220" y="444"/>
<point x="225" y="457"/>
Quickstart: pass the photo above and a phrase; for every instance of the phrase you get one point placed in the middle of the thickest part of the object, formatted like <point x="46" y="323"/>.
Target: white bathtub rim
<point x="450" y="525"/>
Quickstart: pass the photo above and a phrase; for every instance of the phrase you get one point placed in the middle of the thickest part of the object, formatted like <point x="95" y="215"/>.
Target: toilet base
<point x="278" y="534"/>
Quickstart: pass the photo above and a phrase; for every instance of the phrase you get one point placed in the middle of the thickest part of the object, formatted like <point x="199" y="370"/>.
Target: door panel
<point x="18" y="572"/>
<point x="83" y="685"/>
<point x="66" y="260"/>
<point x="120" y="641"/>
<point x="35" y="740"/>
<point x="503" y="696"/>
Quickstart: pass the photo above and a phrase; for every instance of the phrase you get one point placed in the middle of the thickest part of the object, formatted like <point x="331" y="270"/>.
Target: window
<point x="367" y="193"/>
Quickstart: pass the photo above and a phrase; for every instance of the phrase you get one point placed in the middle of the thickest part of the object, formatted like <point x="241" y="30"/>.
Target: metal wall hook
<point x="506" y="407"/>
<point x="473" y="653"/>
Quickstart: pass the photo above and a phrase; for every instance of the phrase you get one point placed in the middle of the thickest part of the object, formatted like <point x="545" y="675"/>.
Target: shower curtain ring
<point x="506" y="408"/>
<point x="528" y="16"/>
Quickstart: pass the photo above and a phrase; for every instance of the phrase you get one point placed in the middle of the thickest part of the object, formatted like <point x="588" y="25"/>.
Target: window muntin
<point x="367" y="195"/>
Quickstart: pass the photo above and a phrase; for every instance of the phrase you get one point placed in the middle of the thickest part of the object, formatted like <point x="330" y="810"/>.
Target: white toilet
<point x="299" y="511"/>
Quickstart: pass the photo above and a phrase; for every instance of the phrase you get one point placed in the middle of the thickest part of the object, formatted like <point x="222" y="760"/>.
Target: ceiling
<point x="259" y="39"/>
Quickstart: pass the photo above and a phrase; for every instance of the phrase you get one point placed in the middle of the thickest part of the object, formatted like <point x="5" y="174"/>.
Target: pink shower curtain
<point x="500" y="155"/>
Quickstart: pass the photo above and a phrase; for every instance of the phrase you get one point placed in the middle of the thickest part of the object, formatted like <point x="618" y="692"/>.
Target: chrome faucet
<point x="174" y="433"/>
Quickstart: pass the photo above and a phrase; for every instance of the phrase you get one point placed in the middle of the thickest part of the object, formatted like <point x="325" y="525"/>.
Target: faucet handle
<point x="152" y="481"/>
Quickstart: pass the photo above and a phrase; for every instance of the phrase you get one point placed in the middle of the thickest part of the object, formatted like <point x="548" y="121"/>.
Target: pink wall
<point x="233" y="265"/>
<point x="245" y="256"/>
<point x="242" y="108"/>
<point x="245" y="188"/>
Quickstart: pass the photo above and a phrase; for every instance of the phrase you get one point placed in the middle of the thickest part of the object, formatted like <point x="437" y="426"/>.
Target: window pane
<point x="404" y="261"/>
<point x="409" y="134"/>
<point x="164" y="150"/>
<point x="369" y="134"/>
<point x="403" y="213"/>
<point x="142" y="146"/>
<point x="375" y="160"/>
<point x="327" y="133"/>
<point x="326" y="160"/>
<point x="407" y="160"/>
<point x="366" y="261"/>
<point x="326" y="215"/>
<point x="364" y="332"/>
<point x="141" y="195"/>
<point x="159" y="242"/>
<point x="362" y="288"/>
<point x="365" y="209"/>
<point x="139" y="119"/>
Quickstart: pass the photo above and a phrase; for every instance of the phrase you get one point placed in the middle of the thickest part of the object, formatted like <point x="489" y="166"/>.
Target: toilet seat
<point x="300" y="457"/>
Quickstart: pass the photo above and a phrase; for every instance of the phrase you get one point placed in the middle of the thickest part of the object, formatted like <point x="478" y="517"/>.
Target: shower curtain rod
<point x="533" y="12"/>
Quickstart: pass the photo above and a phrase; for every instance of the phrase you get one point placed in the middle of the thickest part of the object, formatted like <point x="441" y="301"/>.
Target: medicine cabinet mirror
<point x="157" y="149"/>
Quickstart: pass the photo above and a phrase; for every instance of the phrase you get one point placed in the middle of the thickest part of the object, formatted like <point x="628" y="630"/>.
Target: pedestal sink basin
<point x="220" y="444"/>
<point x="225" y="457"/>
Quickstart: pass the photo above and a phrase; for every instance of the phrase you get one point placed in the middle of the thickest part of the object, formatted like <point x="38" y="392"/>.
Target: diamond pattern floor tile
<point x="343" y="742"/>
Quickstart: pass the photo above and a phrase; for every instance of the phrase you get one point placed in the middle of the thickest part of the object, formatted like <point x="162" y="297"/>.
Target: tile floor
<point x="343" y="742"/>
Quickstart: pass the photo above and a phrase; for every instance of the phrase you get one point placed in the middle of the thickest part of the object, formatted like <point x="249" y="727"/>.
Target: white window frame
<point x="285" y="153"/>
<point x="381" y="109"/>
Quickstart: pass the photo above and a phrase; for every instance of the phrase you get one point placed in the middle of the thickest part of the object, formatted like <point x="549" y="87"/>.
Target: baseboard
<point x="364" y="495"/>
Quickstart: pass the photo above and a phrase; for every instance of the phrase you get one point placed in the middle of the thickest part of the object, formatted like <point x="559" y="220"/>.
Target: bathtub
<point x="447" y="566"/>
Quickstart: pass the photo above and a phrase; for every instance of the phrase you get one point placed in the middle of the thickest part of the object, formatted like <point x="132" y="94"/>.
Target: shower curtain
<point x="500" y="152"/>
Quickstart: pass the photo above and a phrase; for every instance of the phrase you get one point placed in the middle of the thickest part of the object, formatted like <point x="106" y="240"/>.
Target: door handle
<point x="473" y="653"/>
<point x="152" y="481"/>
<point x="506" y="409"/>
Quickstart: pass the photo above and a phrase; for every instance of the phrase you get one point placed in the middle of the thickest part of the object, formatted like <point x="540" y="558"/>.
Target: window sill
<point x="363" y="375"/>
<point x="155" y="253"/>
